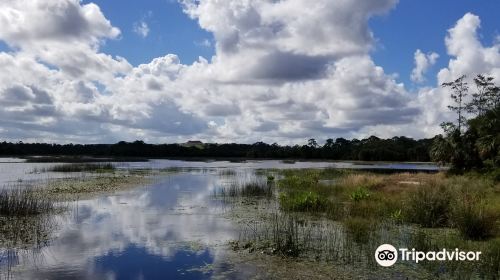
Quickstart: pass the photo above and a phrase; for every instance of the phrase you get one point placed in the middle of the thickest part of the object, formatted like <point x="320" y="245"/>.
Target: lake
<point x="171" y="226"/>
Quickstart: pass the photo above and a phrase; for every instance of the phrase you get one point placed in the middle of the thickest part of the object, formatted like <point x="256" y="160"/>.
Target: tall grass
<point x="253" y="188"/>
<point x="429" y="206"/>
<point x="83" y="167"/>
<point x="303" y="201"/>
<point x="227" y="172"/>
<point x="23" y="202"/>
<point x="473" y="220"/>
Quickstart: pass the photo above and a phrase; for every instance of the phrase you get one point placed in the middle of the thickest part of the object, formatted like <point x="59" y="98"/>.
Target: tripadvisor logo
<point x="387" y="255"/>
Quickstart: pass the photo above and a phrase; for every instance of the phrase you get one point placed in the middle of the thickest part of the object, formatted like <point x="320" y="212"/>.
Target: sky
<point x="236" y="70"/>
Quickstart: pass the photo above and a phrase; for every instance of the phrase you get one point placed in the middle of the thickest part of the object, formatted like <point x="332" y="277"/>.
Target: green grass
<point x="303" y="201"/>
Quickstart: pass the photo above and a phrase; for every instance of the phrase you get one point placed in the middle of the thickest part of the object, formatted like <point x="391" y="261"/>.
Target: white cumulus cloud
<point x="422" y="63"/>
<point x="282" y="71"/>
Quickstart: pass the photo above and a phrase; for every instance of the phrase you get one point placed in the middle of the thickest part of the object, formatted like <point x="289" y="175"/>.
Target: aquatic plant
<point x="302" y="201"/>
<point x="360" y="194"/>
<point x="227" y="172"/>
<point x="83" y="167"/>
<point x="253" y="188"/>
<point x="23" y="202"/>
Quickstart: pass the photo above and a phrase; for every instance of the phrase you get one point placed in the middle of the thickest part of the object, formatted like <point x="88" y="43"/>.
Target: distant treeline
<point x="369" y="149"/>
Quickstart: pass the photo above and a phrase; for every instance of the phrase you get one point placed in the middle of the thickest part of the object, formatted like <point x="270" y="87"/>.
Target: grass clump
<point x="366" y="181"/>
<point x="227" y="172"/>
<point x="429" y="206"/>
<point x="83" y="167"/>
<point x="285" y="236"/>
<point x="472" y="219"/>
<point x="253" y="188"/>
<point x="359" y="229"/>
<point x="490" y="260"/>
<point x="360" y="194"/>
<point x="303" y="202"/>
<point x="23" y="202"/>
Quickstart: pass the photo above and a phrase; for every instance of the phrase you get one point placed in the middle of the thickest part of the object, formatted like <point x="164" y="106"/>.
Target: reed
<point x="23" y="202"/>
<point x="253" y="188"/>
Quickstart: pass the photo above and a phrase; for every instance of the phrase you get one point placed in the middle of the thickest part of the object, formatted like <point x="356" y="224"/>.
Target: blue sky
<point x="282" y="71"/>
<point x="171" y="31"/>
<point x="424" y="24"/>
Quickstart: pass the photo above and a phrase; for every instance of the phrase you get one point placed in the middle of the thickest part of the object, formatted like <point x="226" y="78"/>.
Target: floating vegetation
<point x="74" y="188"/>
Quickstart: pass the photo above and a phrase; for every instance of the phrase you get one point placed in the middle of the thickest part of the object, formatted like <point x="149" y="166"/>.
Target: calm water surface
<point x="168" y="229"/>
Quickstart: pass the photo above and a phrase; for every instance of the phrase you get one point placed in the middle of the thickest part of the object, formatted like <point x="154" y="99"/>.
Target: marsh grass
<point x="361" y="210"/>
<point x="23" y="202"/>
<point x="79" y="167"/>
<point x="359" y="229"/>
<point x="227" y="172"/>
<point x="474" y="221"/>
<point x="302" y="201"/>
<point x="26" y="221"/>
<point x="256" y="187"/>
<point x="429" y="206"/>
<point x="81" y="159"/>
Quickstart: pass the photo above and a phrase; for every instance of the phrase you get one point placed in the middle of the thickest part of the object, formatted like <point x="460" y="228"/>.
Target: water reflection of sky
<point x="277" y="164"/>
<point x="162" y="229"/>
<point x="159" y="231"/>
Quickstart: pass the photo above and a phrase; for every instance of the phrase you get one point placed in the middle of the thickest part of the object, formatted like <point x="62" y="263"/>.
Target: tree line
<point x="369" y="149"/>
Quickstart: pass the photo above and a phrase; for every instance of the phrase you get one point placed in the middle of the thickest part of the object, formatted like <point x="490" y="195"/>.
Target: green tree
<point x="312" y="143"/>
<point x="460" y="90"/>
<point x="472" y="143"/>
